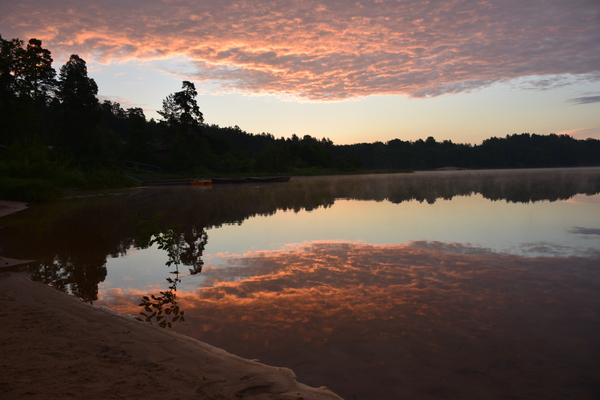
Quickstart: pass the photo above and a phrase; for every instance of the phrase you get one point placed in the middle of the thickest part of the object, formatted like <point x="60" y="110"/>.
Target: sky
<point x="351" y="71"/>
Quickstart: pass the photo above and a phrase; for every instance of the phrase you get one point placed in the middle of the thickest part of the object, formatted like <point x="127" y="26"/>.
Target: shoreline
<point x="52" y="343"/>
<point x="6" y="208"/>
<point x="55" y="345"/>
<point x="10" y="207"/>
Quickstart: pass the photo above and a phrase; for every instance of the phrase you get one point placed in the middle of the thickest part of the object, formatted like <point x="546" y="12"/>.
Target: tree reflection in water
<point x="77" y="273"/>
<point x="182" y="248"/>
<point x="72" y="239"/>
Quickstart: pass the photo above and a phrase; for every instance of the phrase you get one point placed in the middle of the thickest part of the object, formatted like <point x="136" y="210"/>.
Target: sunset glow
<point x="334" y="281"/>
<point x="469" y="63"/>
<point x="402" y="305"/>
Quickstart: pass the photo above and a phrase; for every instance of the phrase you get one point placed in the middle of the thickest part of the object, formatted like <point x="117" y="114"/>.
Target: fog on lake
<point x="454" y="284"/>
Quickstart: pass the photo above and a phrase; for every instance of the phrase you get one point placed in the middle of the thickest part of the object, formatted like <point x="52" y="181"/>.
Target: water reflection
<point x="78" y="273"/>
<point x="181" y="249"/>
<point x="421" y="320"/>
<point x="585" y="231"/>
<point x="71" y="240"/>
<point x="400" y="318"/>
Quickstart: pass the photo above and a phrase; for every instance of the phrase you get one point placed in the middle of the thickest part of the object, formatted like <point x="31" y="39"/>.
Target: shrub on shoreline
<point x="29" y="190"/>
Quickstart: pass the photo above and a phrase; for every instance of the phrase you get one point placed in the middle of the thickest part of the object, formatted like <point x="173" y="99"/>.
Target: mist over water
<point x="456" y="284"/>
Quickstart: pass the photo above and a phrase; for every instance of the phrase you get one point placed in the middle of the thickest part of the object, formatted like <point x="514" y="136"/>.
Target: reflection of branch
<point x="163" y="308"/>
<point x="182" y="248"/>
<point x="155" y="308"/>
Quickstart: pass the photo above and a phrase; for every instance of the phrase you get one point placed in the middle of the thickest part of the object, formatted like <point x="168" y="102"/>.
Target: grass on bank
<point x="35" y="190"/>
<point x="31" y="175"/>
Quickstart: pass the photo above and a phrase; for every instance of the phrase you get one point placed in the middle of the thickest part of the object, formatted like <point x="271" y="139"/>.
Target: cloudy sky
<point x="353" y="71"/>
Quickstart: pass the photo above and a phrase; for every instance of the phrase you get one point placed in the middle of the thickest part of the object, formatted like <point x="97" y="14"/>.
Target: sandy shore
<point x="9" y="207"/>
<point x="55" y="346"/>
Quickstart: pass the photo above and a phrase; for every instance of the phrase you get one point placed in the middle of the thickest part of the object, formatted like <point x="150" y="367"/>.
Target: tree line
<point x="60" y="117"/>
<point x="513" y="151"/>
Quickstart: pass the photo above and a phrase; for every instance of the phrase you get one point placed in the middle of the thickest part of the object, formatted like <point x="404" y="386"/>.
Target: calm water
<point x="436" y="285"/>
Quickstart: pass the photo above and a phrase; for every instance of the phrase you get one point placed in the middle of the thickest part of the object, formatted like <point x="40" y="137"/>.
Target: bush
<point x="28" y="190"/>
<point x="105" y="178"/>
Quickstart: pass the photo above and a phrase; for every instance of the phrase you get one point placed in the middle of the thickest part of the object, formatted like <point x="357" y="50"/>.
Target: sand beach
<point x="55" y="346"/>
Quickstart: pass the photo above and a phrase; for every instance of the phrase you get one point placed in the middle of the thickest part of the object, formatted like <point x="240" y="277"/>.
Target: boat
<point x="201" y="181"/>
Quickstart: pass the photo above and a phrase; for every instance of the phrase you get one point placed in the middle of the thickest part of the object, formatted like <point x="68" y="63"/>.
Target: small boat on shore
<point x="201" y="181"/>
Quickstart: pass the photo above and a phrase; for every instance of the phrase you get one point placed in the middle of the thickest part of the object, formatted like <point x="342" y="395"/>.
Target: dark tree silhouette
<point x="139" y="138"/>
<point x="77" y="91"/>
<point x="10" y="53"/>
<point x="81" y="113"/>
<point x="180" y="109"/>
<point x="189" y="147"/>
<point x="35" y="76"/>
<point x="27" y="85"/>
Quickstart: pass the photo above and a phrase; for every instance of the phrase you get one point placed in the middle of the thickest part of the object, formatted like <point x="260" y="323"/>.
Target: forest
<point x="54" y="128"/>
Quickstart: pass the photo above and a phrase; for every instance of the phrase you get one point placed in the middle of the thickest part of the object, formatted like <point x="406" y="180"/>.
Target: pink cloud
<point x="330" y="49"/>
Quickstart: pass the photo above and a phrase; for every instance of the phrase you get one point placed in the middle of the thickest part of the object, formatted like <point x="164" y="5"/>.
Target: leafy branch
<point x="163" y="308"/>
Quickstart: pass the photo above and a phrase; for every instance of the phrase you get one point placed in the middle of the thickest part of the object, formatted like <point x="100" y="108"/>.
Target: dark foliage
<point x="61" y="117"/>
<point x="514" y="151"/>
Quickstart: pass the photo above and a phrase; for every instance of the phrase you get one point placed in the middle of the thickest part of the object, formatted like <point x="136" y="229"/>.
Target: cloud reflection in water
<point x="422" y="320"/>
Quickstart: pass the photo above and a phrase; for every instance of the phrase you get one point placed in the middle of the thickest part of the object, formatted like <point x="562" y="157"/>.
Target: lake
<point x="432" y="285"/>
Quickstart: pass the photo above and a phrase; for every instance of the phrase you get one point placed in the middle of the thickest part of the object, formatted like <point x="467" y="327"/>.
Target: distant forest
<point x="58" y="116"/>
